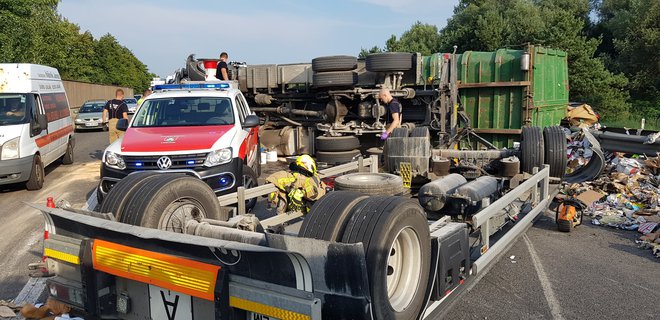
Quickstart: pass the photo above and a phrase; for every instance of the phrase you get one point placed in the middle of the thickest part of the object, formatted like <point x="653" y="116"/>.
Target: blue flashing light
<point x="189" y="86"/>
<point x="190" y="162"/>
<point x="223" y="181"/>
<point x="138" y="164"/>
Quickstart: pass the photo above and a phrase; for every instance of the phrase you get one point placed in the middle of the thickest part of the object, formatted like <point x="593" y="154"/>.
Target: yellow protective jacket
<point x="295" y="189"/>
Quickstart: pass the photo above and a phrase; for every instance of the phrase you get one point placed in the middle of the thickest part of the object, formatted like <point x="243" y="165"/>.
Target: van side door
<point x="39" y="129"/>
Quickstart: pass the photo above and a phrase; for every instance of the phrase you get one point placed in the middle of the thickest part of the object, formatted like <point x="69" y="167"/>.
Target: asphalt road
<point x="591" y="273"/>
<point x="22" y="227"/>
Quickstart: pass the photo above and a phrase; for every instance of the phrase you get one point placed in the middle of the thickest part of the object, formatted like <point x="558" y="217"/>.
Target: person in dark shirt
<point x="222" y="72"/>
<point x="114" y="110"/>
<point x="394" y="107"/>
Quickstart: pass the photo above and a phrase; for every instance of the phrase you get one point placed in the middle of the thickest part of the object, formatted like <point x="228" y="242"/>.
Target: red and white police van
<point x="203" y="129"/>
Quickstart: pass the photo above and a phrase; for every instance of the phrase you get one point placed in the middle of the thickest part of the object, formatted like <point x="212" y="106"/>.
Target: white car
<point x="132" y="105"/>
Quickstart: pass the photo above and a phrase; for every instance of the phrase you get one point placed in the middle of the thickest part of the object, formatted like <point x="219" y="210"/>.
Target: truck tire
<point x="335" y="79"/>
<point x="328" y="217"/>
<point x="344" y="143"/>
<point x="336" y="157"/>
<point x="36" y="179"/>
<point x="122" y="191"/>
<point x="395" y="234"/>
<point x="421" y="132"/>
<point x="370" y="183"/>
<point x="167" y="201"/>
<point x="250" y="180"/>
<point x="399" y="133"/>
<point x="389" y="61"/>
<point x="334" y="63"/>
<point x="555" y="150"/>
<point x="532" y="147"/>
<point x="67" y="158"/>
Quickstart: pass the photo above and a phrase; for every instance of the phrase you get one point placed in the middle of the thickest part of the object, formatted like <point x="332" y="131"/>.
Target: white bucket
<point x="264" y="157"/>
<point x="272" y="156"/>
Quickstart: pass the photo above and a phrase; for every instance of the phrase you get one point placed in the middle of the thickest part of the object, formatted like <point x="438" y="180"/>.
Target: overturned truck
<point x="479" y="99"/>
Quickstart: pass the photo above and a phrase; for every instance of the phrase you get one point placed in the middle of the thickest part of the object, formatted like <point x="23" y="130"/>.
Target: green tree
<point x="486" y="25"/>
<point x="421" y="37"/>
<point x="630" y="30"/>
<point x="364" y="52"/>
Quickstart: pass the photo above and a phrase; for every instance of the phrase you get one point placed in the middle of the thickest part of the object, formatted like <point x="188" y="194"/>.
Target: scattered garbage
<point x="625" y="196"/>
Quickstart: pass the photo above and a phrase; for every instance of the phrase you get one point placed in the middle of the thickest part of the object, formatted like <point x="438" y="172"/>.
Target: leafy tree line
<point x="612" y="45"/>
<point x="31" y="31"/>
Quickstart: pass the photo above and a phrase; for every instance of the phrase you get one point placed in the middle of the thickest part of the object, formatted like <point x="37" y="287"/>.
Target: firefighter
<point x="298" y="188"/>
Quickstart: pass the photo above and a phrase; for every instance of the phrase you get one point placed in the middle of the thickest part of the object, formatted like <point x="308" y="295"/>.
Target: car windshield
<point x="184" y="111"/>
<point x="130" y="100"/>
<point x="92" y="107"/>
<point x="13" y="108"/>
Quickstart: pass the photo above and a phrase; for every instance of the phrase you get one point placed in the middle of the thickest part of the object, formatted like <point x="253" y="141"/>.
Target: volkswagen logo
<point x="164" y="163"/>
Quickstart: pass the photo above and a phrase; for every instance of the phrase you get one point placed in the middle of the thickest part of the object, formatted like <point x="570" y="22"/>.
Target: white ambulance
<point x="36" y="128"/>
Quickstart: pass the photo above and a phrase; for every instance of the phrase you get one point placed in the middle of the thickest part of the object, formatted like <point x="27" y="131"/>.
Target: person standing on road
<point x="394" y="107"/>
<point x="114" y="110"/>
<point x="145" y="94"/>
<point x="222" y="72"/>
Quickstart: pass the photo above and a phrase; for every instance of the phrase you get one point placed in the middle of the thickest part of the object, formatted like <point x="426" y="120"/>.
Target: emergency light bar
<point x="192" y="86"/>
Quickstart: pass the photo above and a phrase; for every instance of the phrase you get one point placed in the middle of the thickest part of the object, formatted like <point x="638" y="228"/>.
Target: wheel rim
<point x="39" y="172"/>
<point x="403" y="269"/>
<point x="178" y="213"/>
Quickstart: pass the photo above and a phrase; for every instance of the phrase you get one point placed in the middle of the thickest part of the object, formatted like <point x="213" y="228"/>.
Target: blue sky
<point x="161" y="33"/>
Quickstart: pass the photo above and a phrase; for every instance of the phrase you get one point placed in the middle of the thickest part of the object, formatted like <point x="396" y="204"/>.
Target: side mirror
<point x="122" y="124"/>
<point x="251" y="121"/>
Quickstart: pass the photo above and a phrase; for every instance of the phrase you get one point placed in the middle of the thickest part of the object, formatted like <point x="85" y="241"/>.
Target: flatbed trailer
<point x="387" y="265"/>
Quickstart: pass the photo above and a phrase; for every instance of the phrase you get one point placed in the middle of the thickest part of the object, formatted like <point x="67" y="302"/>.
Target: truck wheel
<point x="395" y="234"/>
<point x="399" y="133"/>
<point x="67" y="158"/>
<point x="421" y="132"/>
<point x="334" y="63"/>
<point x="555" y="150"/>
<point x="122" y="191"/>
<point x="328" y="217"/>
<point x="335" y="79"/>
<point x="168" y="201"/>
<point x="336" y="157"/>
<point x="36" y="180"/>
<point x="532" y="147"/>
<point x="250" y="180"/>
<point x="370" y="183"/>
<point x="389" y="61"/>
<point x="344" y="143"/>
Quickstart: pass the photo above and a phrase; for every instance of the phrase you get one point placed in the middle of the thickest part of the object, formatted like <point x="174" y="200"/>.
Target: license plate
<point x="257" y="316"/>
<point x="169" y="305"/>
<point x="91" y="124"/>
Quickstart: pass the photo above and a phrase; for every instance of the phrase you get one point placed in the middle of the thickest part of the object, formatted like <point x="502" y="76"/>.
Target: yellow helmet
<point x="306" y="163"/>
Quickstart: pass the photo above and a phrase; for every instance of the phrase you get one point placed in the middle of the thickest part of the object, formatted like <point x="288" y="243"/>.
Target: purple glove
<point x="384" y="135"/>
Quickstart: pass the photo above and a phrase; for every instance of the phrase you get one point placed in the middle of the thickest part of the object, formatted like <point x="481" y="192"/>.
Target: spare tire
<point x="335" y="79"/>
<point x="167" y="201"/>
<point x="532" y="149"/>
<point x="344" y="143"/>
<point x="389" y="61"/>
<point x="555" y="150"/>
<point x="399" y="133"/>
<point x="328" y="217"/>
<point x="334" y="63"/>
<point x="121" y="192"/>
<point x="370" y="183"/>
<point x="395" y="234"/>
<point x="337" y="157"/>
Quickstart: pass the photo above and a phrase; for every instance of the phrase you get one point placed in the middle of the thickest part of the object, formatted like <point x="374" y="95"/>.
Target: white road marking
<point x="92" y="201"/>
<point x="31" y="291"/>
<point x="553" y="303"/>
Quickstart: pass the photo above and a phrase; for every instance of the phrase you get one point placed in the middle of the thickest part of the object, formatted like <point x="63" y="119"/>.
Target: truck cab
<point x="205" y="130"/>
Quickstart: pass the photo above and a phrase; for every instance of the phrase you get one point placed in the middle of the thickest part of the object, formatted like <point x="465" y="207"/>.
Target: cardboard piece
<point x="589" y="197"/>
<point x="6" y="312"/>
<point x="582" y="116"/>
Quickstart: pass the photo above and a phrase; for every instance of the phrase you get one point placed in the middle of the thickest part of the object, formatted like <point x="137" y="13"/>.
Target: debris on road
<point x="625" y="196"/>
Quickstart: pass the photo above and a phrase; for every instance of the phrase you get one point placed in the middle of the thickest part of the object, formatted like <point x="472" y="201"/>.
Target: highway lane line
<point x="92" y="202"/>
<point x="553" y="303"/>
<point x="31" y="291"/>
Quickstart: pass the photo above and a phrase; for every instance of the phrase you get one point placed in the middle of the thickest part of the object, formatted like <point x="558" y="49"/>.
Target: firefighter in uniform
<point x="298" y="188"/>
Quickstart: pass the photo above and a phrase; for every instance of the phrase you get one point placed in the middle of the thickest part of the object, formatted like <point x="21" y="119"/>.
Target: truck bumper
<point x="222" y="179"/>
<point x="15" y="170"/>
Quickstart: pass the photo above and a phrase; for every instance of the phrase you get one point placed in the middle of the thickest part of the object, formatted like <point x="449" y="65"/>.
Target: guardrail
<point x="538" y="182"/>
<point x="243" y="194"/>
